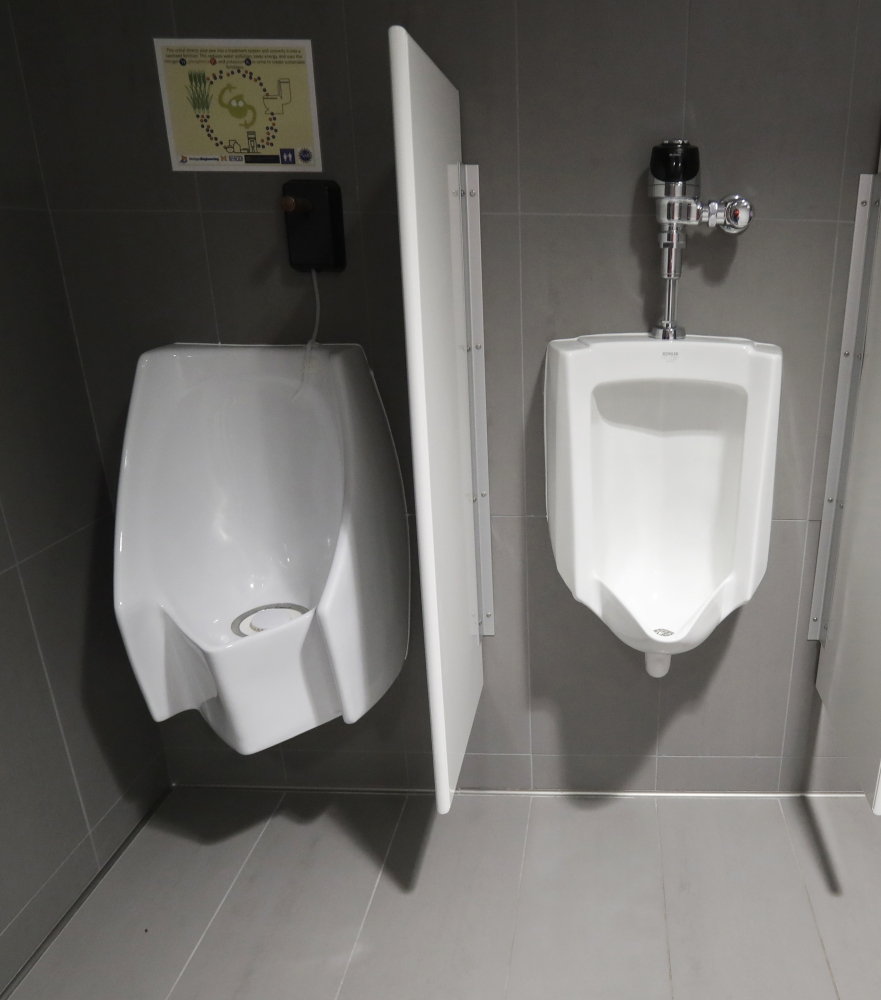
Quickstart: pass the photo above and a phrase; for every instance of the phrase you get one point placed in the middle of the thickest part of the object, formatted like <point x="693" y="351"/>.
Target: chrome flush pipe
<point x="675" y="185"/>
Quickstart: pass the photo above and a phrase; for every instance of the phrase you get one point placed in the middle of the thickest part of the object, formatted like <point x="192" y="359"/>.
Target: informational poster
<point x="239" y="104"/>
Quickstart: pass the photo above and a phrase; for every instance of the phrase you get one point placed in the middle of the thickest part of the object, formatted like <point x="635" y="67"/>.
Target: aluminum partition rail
<point x="859" y="289"/>
<point x="469" y="188"/>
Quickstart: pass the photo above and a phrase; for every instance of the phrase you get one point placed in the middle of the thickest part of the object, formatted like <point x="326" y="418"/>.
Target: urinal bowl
<point x="660" y="474"/>
<point x="261" y="478"/>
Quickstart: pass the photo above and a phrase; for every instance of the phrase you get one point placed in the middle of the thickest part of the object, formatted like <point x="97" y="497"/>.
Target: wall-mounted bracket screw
<point x="478" y="346"/>
<point x="830" y="499"/>
<point x="815" y="619"/>
<point x="483" y="494"/>
<point x="847" y="354"/>
<point x="864" y="203"/>
<point x="473" y="194"/>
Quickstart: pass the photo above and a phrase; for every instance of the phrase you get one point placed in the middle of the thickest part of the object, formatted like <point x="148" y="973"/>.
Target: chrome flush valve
<point x="675" y="186"/>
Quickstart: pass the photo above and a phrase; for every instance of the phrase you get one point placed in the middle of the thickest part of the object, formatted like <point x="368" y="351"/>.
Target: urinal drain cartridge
<point x="266" y="617"/>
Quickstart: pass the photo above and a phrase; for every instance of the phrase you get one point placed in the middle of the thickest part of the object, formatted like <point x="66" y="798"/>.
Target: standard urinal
<point x="262" y="571"/>
<point x="660" y="475"/>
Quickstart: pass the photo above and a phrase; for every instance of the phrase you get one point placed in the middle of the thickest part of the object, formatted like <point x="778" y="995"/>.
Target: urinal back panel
<point x="660" y="470"/>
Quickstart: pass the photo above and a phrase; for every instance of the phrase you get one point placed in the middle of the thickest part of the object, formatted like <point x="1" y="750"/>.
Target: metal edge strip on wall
<point x="469" y="185"/>
<point x="849" y="370"/>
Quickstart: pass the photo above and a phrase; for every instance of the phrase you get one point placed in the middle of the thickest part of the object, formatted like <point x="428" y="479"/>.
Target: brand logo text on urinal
<point x="663" y="631"/>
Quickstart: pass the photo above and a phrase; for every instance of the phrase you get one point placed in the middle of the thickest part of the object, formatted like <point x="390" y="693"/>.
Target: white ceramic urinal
<point x="262" y="571"/>
<point x="660" y="476"/>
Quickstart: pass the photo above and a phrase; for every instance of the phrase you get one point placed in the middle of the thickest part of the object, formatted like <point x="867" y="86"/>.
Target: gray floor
<point x="258" y="895"/>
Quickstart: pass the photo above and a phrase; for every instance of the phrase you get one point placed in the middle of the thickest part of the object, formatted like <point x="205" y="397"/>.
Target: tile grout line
<point x="517" y="904"/>
<point x="370" y="900"/>
<point x="799" y="624"/>
<point x="664" y="897"/>
<point x="225" y="895"/>
<point x="57" y="245"/>
<point x="807" y="893"/>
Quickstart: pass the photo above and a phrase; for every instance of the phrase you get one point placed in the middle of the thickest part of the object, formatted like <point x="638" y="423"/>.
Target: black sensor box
<point x="314" y="224"/>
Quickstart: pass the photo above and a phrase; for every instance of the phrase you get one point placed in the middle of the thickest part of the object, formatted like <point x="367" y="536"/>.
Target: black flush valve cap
<point x="675" y="161"/>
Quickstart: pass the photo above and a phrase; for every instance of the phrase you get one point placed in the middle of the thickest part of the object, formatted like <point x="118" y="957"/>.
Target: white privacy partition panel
<point x="430" y="193"/>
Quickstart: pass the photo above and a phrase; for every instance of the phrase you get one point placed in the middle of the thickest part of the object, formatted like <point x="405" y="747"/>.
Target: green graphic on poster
<point x="239" y="105"/>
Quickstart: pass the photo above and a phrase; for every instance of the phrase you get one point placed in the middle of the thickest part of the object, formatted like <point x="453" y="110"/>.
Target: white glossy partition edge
<point x="427" y="148"/>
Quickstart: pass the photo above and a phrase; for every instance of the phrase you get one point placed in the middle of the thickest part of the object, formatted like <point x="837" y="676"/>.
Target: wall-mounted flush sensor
<point x="675" y="186"/>
<point x="314" y="223"/>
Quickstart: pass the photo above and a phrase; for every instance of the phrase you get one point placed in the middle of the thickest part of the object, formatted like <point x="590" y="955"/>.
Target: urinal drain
<point x="266" y="617"/>
<point x="663" y="631"/>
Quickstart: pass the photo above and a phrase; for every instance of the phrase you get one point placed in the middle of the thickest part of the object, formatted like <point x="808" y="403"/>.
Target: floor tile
<point x="739" y="918"/>
<point x="591" y="914"/>
<point x="137" y="929"/>
<point x="289" y="924"/>
<point x="35" y="922"/>
<point x="442" y="920"/>
<point x="838" y="845"/>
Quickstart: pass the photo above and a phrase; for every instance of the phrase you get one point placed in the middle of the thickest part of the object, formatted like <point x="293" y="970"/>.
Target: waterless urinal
<point x="660" y="475"/>
<point x="262" y="557"/>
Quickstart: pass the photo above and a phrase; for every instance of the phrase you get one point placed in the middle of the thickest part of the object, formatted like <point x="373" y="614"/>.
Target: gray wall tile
<point x="819" y="774"/>
<point x="110" y="734"/>
<point x="341" y="769"/>
<point x="110" y="832"/>
<point x="863" y="130"/>
<point x="500" y="237"/>
<point x="802" y="711"/>
<point x="221" y="765"/>
<point x="727" y="697"/>
<point x="136" y="280"/>
<point x="594" y="772"/>
<point x="51" y="481"/>
<point x="496" y="770"/>
<point x="42" y="820"/>
<point x="116" y="89"/>
<point x="501" y="725"/>
<point x="267" y="301"/>
<point x="718" y="774"/>
<point x="591" y="106"/>
<point x="771" y="122"/>
<point x="21" y="185"/>
<point x="474" y="45"/>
